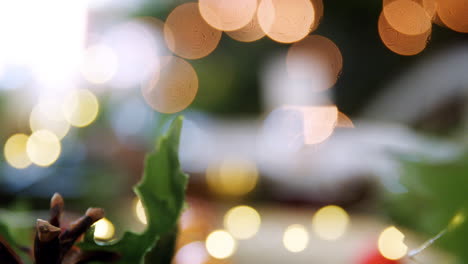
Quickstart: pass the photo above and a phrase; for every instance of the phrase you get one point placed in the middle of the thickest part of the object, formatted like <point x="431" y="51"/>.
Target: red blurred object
<point x="374" y="257"/>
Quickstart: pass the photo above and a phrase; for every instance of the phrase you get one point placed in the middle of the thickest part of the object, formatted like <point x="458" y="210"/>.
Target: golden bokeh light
<point x="188" y="35"/>
<point x="104" y="230"/>
<point x="330" y="222"/>
<point x="400" y="43"/>
<point x="81" y="108"/>
<point x="220" y="244"/>
<point x="140" y="211"/>
<point x="344" y="121"/>
<point x="315" y="54"/>
<point x="454" y="14"/>
<point x="232" y="177"/>
<point x="43" y="148"/>
<point x="286" y="21"/>
<point x="249" y="33"/>
<point x="295" y="238"/>
<point x="227" y="15"/>
<point x="242" y="222"/>
<point x="99" y="64"/>
<point x="391" y="244"/>
<point x="49" y="117"/>
<point x="174" y="88"/>
<point x="15" y="151"/>
<point x="319" y="122"/>
<point x="407" y="17"/>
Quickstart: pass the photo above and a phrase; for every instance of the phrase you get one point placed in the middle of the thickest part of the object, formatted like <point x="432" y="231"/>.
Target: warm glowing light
<point x="48" y="116"/>
<point x="453" y="14"/>
<point x="220" y="244"/>
<point x="407" y="17"/>
<point x="430" y="6"/>
<point x="249" y="33"/>
<point x="400" y="43"/>
<point x="391" y="244"/>
<point x="140" y="211"/>
<point x="104" y="229"/>
<point x="81" y="108"/>
<point x="227" y="14"/>
<point x="188" y="35"/>
<point x="330" y="222"/>
<point x="318" y="7"/>
<point x="344" y="121"/>
<point x="15" y="151"/>
<point x="286" y="21"/>
<point x="295" y="238"/>
<point x="43" y="148"/>
<point x="319" y="122"/>
<point x="232" y="177"/>
<point x="243" y="222"/>
<point x="193" y="253"/>
<point x="315" y="58"/>
<point x="174" y="88"/>
<point x="99" y="64"/>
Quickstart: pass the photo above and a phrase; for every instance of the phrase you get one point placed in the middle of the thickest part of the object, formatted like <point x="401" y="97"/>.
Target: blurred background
<point x="315" y="131"/>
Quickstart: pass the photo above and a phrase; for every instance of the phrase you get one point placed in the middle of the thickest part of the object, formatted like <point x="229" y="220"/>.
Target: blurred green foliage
<point x="436" y="193"/>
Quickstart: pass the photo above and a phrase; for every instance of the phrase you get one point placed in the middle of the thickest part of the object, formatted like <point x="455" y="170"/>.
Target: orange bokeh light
<point x="227" y="15"/>
<point x="249" y="33"/>
<point x="319" y="122"/>
<point x="318" y="7"/>
<point x="454" y="14"/>
<point x="286" y="21"/>
<point x="430" y="6"/>
<point x="401" y="43"/>
<point x="188" y="35"/>
<point x="407" y="17"/>
<point x="344" y="121"/>
<point x="174" y="88"/>
<point x="315" y="53"/>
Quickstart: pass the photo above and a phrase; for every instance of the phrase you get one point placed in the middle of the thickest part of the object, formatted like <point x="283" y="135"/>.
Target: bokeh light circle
<point x="45" y="116"/>
<point x="104" y="230"/>
<point x="391" y="243"/>
<point x="227" y="15"/>
<point x="188" y="35"/>
<point x="249" y="33"/>
<point x="174" y="87"/>
<point x="286" y="21"/>
<point x="407" y="17"/>
<point x="15" y="151"/>
<point x="454" y="14"/>
<point x="43" y="148"/>
<point x="81" y="108"/>
<point x="295" y="238"/>
<point x="400" y="43"/>
<point x="220" y="244"/>
<point x="312" y="56"/>
<point x="330" y="222"/>
<point x="242" y="222"/>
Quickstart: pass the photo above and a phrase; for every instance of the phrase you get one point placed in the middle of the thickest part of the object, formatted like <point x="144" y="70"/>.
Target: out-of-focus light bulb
<point x="81" y="108"/>
<point x="330" y="222"/>
<point x="43" y="148"/>
<point x="295" y="238"/>
<point x="45" y="116"/>
<point x="104" y="229"/>
<point x="140" y="211"/>
<point x="193" y="253"/>
<point x="15" y="151"/>
<point x="220" y="244"/>
<point x="391" y="244"/>
<point x="243" y="222"/>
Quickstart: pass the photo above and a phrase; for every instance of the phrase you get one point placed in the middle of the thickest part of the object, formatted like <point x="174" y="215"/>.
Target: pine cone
<point x="54" y="246"/>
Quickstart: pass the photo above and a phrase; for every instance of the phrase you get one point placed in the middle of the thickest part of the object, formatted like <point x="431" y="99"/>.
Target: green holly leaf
<point x="162" y="192"/>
